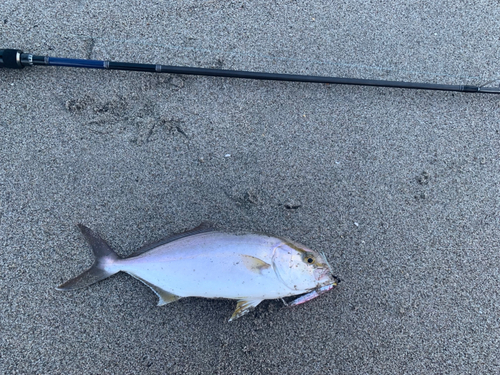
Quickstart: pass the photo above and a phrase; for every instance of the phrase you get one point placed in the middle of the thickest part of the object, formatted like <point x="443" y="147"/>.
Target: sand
<point x="399" y="188"/>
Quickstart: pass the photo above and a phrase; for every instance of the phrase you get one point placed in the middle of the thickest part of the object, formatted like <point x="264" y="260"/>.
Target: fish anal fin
<point x="164" y="296"/>
<point x="243" y="307"/>
<point x="202" y="228"/>
<point x="254" y="264"/>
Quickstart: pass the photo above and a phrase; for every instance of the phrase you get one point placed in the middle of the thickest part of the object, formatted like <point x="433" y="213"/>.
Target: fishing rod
<point x="16" y="59"/>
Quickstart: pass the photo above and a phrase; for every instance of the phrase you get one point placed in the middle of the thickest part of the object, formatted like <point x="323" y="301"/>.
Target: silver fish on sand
<point x="206" y="263"/>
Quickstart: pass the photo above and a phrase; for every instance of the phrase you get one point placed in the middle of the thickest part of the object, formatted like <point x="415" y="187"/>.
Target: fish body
<point x="211" y="264"/>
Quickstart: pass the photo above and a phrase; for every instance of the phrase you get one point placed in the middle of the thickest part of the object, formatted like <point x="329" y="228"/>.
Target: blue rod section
<point x="77" y="63"/>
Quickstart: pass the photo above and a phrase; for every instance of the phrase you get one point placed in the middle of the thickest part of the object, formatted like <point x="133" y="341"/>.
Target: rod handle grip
<point x="11" y="58"/>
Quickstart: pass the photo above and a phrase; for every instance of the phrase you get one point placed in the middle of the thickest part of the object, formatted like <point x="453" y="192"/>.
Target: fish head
<point x="301" y="268"/>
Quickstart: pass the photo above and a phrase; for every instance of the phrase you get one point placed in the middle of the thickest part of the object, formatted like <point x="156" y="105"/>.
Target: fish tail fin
<point x="104" y="264"/>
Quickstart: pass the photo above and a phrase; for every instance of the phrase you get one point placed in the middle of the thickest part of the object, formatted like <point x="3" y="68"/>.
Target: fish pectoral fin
<point x="254" y="264"/>
<point x="243" y="307"/>
<point x="164" y="296"/>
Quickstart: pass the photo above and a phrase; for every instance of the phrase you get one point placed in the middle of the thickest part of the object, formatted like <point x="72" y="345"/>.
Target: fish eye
<point x="309" y="259"/>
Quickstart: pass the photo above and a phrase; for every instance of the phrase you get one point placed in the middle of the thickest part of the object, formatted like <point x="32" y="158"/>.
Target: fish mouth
<point x="321" y="273"/>
<point x="324" y="277"/>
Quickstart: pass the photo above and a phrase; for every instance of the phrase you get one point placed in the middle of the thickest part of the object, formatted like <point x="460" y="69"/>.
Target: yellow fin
<point x="165" y="297"/>
<point x="254" y="264"/>
<point x="243" y="307"/>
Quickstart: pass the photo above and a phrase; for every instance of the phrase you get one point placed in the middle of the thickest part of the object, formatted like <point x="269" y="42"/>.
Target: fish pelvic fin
<point x="243" y="307"/>
<point x="103" y="264"/>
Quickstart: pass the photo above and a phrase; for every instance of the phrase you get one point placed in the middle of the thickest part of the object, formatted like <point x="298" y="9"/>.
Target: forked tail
<point x="103" y="266"/>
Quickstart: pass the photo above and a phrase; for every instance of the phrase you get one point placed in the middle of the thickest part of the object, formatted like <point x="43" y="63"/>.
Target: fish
<point x="204" y="262"/>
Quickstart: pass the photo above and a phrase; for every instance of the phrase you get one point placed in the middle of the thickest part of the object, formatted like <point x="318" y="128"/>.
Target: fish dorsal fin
<point x="202" y="228"/>
<point x="254" y="264"/>
<point x="165" y="297"/>
<point x="243" y="307"/>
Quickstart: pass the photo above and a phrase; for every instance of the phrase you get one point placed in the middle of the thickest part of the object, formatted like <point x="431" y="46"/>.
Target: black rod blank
<point x="16" y="59"/>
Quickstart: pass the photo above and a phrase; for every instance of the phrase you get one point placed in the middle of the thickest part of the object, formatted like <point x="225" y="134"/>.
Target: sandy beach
<point x="399" y="188"/>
